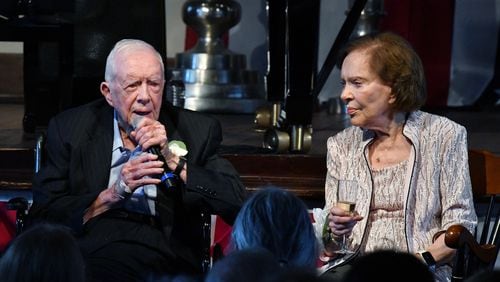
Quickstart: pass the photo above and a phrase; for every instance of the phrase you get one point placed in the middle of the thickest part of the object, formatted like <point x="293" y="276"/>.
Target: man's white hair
<point x="126" y="45"/>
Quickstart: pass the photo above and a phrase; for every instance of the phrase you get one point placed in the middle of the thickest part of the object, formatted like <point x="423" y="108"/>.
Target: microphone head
<point x="135" y="120"/>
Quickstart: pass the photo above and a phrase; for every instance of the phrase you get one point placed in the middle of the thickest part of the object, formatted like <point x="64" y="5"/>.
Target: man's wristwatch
<point x="429" y="260"/>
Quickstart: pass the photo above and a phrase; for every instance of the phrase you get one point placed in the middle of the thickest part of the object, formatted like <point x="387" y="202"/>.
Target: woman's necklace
<point x="388" y="149"/>
<point x="380" y="153"/>
<point x="389" y="153"/>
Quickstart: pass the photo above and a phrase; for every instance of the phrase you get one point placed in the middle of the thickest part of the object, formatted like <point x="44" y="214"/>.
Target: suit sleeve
<point x="55" y="198"/>
<point x="214" y="181"/>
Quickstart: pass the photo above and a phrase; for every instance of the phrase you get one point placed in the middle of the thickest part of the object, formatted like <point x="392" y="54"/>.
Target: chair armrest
<point x="457" y="236"/>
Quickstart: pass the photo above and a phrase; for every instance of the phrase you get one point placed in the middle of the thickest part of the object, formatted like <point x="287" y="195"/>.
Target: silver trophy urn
<point x="369" y="19"/>
<point x="215" y="78"/>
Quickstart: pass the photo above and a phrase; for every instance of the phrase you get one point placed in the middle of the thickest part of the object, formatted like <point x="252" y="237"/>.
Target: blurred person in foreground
<point x="257" y="264"/>
<point x="45" y="253"/>
<point x="370" y="268"/>
<point x="278" y="221"/>
<point x="131" y="175"/>
<point x="411" y="167"/>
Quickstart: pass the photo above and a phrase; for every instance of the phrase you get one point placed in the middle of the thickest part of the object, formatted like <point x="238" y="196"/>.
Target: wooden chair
<point x="478" y="252"/>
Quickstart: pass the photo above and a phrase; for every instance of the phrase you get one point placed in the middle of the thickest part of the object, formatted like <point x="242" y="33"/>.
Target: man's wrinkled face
<point x="137" y="88"/>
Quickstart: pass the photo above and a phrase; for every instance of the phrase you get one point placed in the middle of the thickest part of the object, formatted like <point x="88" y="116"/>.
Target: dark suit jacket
<point x="77" y="166"/>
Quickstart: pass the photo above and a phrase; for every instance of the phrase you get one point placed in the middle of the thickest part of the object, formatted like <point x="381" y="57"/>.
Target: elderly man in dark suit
<point x="110" y="174"/>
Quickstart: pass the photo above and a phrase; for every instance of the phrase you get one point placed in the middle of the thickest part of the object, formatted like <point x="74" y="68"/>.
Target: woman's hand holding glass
<point x="341" y="223"/>
<point x="343" y="217"/>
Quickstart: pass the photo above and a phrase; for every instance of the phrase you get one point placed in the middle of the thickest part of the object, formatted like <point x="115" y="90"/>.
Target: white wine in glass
<point x="346" y="200"/>
<point x="347" y="206"/>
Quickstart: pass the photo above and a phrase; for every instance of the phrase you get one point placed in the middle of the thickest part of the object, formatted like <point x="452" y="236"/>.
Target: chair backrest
<point x="478" y="252"/>
<point x="39" y="151"/>
<point x="21" y="204"/>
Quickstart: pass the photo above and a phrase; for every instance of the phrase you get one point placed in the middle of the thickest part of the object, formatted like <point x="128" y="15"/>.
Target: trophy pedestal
<point x="215" y="78"/>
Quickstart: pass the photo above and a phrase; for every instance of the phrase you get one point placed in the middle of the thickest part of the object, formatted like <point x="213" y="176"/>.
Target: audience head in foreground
<point x="388" y="266"/>
<point x="246" y="265"/>
<point x="278" y="221"/>
<point x="250" y="265"/>
<point x="44" y="253"/>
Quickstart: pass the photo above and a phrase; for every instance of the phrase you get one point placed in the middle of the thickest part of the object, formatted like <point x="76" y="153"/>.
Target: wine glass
<point x="346" y="200"/>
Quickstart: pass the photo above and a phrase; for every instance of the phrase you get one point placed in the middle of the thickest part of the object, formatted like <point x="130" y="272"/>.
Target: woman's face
<point x="367" y="98"/>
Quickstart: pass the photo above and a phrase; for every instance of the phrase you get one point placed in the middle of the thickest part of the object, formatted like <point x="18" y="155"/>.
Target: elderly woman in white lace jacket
<point x="411" y="167"/>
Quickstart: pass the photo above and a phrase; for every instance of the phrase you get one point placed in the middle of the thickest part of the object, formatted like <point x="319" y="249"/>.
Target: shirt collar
<point x="117" y="139"/>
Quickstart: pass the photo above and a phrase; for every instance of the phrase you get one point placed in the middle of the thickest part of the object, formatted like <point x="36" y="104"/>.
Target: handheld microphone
<point x="167" y="177"/>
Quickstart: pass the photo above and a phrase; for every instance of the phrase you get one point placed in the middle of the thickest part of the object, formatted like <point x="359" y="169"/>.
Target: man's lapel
<point x="96" y="154"/>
